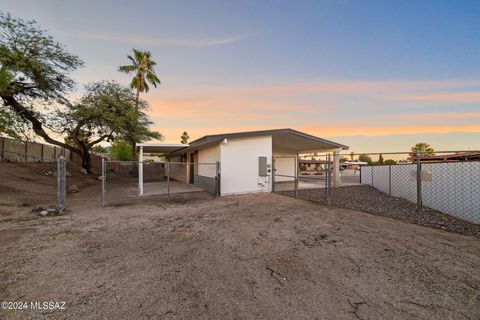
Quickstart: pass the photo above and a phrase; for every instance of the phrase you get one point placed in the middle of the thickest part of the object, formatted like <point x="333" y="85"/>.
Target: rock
<point x="52" y="211"/>
<point x="44" y="213"/>
<point x="83" y="171"/>
<point x="37" y="209"/>
<point x="73" y="189"/>
<point x="100" y="178"/>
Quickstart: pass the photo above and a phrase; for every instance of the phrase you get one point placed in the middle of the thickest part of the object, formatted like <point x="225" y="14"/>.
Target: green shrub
<point x="121" y="151"/>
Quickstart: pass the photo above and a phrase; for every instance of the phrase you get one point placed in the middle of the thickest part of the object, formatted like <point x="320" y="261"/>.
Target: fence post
<point x="168" y="179"/>
<point x="104" y="183"/>
<point x="273" y="174"/>
<point x="419" y="182"/>
<point x="3" y="149"/>
<point x="390" y="180"/>
<point x="217" y="179"/>
<point x="61" y="184"/>
<point x="371" y="169"/>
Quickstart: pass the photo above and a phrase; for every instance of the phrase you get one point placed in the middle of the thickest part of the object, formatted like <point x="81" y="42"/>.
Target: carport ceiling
<point x="298" y="142"/>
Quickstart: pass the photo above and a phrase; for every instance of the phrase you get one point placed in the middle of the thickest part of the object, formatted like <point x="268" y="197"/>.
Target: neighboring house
<point x="312" y="165"/>
<point x="245" y="160"/>
<point x="461" y="156"/>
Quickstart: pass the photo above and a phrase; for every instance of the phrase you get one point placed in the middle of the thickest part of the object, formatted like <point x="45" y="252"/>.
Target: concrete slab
<point x="157" y="188"/>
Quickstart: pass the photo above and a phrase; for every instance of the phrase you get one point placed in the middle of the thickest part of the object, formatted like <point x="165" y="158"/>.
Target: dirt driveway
<point x="241" y="257"/>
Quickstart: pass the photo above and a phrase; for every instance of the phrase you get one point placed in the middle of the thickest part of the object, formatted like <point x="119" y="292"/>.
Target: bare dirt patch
<point x="262" y="256"/>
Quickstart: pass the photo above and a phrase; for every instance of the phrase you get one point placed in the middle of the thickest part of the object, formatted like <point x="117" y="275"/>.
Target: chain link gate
<point x="130" y="181"/>
<point x="299" y="178"/>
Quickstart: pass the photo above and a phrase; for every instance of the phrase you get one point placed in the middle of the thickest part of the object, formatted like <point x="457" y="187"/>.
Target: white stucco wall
<point x="207" y="159"/>
<point x="452" y="189"/>
<point x="239" y="164"/>
<point x="284" y="166"/>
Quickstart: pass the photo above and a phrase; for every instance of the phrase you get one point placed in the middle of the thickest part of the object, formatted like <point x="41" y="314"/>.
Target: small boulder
<point x="52" y="211"/>
<point x="37" y="209"/>
<point x="44" y="213"/>
<point x="73" y="189"/>
<point x="84" y="171"/>
<point x="100" y="178"/>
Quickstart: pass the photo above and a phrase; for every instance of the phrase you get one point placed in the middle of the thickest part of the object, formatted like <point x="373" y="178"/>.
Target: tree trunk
<point x="37" y="127"/>
<point x="86" y="161"/>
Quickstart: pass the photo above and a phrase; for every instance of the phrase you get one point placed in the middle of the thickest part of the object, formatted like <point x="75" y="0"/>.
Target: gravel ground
<point x="368" y="199"/>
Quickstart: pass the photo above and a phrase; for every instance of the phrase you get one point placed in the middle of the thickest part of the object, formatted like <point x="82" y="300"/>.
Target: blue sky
<point x="375" y="75"/>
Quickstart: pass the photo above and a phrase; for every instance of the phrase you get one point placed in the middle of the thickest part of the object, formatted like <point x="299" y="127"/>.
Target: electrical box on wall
<point x="262" y="166"/>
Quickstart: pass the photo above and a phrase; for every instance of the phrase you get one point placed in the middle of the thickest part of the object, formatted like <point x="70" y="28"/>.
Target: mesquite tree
<point x="34" y="85"/>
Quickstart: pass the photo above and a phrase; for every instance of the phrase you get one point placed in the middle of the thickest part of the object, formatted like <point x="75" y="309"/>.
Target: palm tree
<point x="142" y="66"/>
<point x="423" y="148"/>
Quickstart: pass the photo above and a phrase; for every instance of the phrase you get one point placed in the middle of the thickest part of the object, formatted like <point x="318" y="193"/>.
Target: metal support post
<point x="419" y="182"/>
<point x="104" y="183"/>
<point x="296" y="176"/>
<point x="140" y="172"/>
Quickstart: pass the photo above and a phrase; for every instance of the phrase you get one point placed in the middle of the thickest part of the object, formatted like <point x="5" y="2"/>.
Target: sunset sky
<point x="375" y="75"/>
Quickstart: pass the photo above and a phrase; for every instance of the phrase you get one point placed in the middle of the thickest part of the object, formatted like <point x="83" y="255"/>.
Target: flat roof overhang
<point x="299" y="142"/>
<point x="161" y="147"/>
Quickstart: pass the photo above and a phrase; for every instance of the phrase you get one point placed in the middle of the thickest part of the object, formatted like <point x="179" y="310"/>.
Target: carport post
<point x="140" y="172"/>
<point x="296" y="175"/>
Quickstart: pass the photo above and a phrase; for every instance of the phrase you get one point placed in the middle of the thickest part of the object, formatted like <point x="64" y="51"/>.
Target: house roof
<point x="449" y="157"/>
<point x="283" y="140"/>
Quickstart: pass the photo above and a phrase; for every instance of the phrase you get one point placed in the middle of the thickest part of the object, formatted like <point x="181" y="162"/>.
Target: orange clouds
<point x="449" y="97"/>
<point x="323" y="109"/>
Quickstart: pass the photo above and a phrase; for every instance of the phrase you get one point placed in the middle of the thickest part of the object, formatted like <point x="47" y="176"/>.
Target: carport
<point x="288" y="145"/>
<point x="161" y="187"/>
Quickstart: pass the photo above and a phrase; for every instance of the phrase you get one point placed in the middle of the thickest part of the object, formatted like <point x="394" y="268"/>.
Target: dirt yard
<point x="241" y="257"/>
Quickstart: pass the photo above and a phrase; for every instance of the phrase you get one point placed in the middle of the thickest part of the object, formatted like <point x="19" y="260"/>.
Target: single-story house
<point x="241" y="162"/>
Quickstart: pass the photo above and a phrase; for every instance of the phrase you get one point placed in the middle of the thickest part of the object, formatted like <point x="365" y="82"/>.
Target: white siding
<point x="286" y="167"/>
<point x="239" y="164"/>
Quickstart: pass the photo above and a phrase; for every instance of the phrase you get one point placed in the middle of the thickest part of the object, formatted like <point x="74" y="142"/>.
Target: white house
<point x="240" y="162"/>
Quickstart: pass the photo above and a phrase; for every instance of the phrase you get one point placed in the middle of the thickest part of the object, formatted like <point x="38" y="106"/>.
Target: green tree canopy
<point x="34" y="86"/>
<point x="365" y="158"/>
<point x="105" y="113"/>
<point x="121" y="150"/>
<point x="390" y="162"/>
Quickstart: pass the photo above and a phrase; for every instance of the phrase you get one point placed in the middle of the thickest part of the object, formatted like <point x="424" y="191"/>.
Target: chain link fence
<point x="31" y="180"/>
<point x="439" y="189"/>
<point x="125" y="182"/>
<point x="311" y="174"/>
